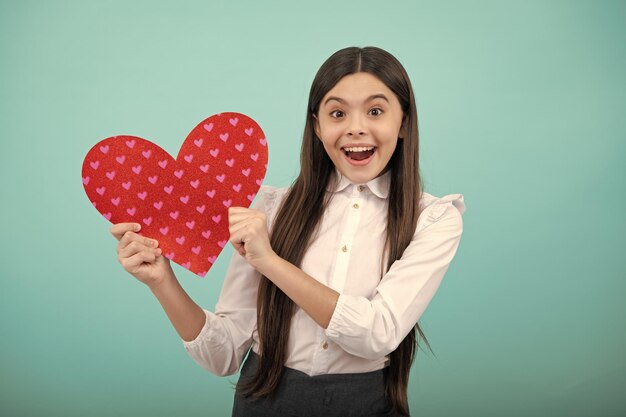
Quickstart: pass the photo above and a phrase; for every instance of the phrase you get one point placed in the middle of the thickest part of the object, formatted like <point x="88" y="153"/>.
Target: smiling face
<point x="359" y="122"/>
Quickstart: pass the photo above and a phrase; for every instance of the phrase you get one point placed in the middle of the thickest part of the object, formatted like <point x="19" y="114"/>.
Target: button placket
<point x="347" y="237"/>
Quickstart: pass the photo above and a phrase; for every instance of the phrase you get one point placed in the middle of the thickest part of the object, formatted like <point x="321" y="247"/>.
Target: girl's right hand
<point x="140" y="256"/>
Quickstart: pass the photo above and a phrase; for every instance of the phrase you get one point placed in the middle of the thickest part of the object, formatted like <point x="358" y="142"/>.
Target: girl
<point x="332" y="273"/>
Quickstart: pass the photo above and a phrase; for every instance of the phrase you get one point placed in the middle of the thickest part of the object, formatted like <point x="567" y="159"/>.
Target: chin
<point x="359" y="177"/>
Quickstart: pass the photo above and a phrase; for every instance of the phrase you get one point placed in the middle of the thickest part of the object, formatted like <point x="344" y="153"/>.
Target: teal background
<point x="521" y="109"/>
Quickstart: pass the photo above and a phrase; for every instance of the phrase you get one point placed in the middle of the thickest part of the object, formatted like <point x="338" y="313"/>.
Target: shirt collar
<point x="379" y="186"/>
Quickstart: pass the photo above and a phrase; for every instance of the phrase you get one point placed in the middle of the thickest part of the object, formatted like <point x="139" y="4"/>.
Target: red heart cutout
<point x="183" y="202"/>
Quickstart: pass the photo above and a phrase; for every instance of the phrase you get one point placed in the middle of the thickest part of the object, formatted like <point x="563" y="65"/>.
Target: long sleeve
<point x="228" y="333"/>
<point x="373" y="328"/>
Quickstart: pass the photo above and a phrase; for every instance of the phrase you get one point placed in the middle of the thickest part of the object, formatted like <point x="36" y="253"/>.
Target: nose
<point x="356" y="126"/>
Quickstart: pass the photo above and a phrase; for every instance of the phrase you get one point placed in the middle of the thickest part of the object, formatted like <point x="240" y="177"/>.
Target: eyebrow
<point x="370" y="98"/>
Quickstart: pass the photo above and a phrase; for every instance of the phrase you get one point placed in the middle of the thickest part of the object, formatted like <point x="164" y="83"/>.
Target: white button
<point x="344" y="248"/>
<point x="355" y="205"/>
<point x="360" y="188"/>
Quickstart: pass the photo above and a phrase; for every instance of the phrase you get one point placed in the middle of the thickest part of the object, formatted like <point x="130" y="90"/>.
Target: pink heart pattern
<point x="183" y="202"/>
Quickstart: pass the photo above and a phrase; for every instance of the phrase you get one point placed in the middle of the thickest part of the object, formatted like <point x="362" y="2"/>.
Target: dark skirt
<point x="298" y="394"/>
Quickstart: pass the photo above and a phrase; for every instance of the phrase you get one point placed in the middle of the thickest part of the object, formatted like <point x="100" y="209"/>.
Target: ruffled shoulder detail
<point x="270" y="199"/>
<point x="434" y="207"/>
<point x="439" y="206"/>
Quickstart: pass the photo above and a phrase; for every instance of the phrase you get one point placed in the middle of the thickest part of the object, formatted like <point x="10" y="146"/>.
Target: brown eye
<point x="378" y="111"/>
<point x="336" y="113"/>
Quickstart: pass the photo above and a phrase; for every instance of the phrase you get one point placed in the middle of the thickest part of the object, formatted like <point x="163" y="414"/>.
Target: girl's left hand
<point x="249" y="235"/>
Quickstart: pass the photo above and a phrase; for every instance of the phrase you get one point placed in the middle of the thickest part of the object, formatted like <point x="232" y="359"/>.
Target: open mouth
<point x="359" y="153"/>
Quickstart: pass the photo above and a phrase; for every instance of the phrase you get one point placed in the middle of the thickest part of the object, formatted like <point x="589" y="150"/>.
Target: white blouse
<point x="372" y="315"/>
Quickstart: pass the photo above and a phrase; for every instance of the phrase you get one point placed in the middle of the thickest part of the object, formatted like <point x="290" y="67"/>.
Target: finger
<point x="236" y="209"/>
<point x="238" y="236"/>
<point x="135" y="247"/>
<point x="130" y="237"/>
<point x="238" y="243"/>
<point x="243" y="210"/>
<point x="118" y="230"/>
<point x="235" y="218"/>
<point x="249" y="224"/>
<point x="133" y="263"/>
<point x="240" y="248"/>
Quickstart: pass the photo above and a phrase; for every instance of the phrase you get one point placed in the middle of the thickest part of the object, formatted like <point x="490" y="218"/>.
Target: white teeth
<point x="359" y="148"/>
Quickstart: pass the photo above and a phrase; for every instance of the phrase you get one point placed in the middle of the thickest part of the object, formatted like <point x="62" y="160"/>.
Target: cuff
<point x="336" y="322"/>
<point x="348" y="318"/>
<point x="204" y="335"/>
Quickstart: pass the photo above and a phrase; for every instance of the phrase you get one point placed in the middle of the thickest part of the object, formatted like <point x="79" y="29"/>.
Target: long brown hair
<point x="302" y="208"/>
